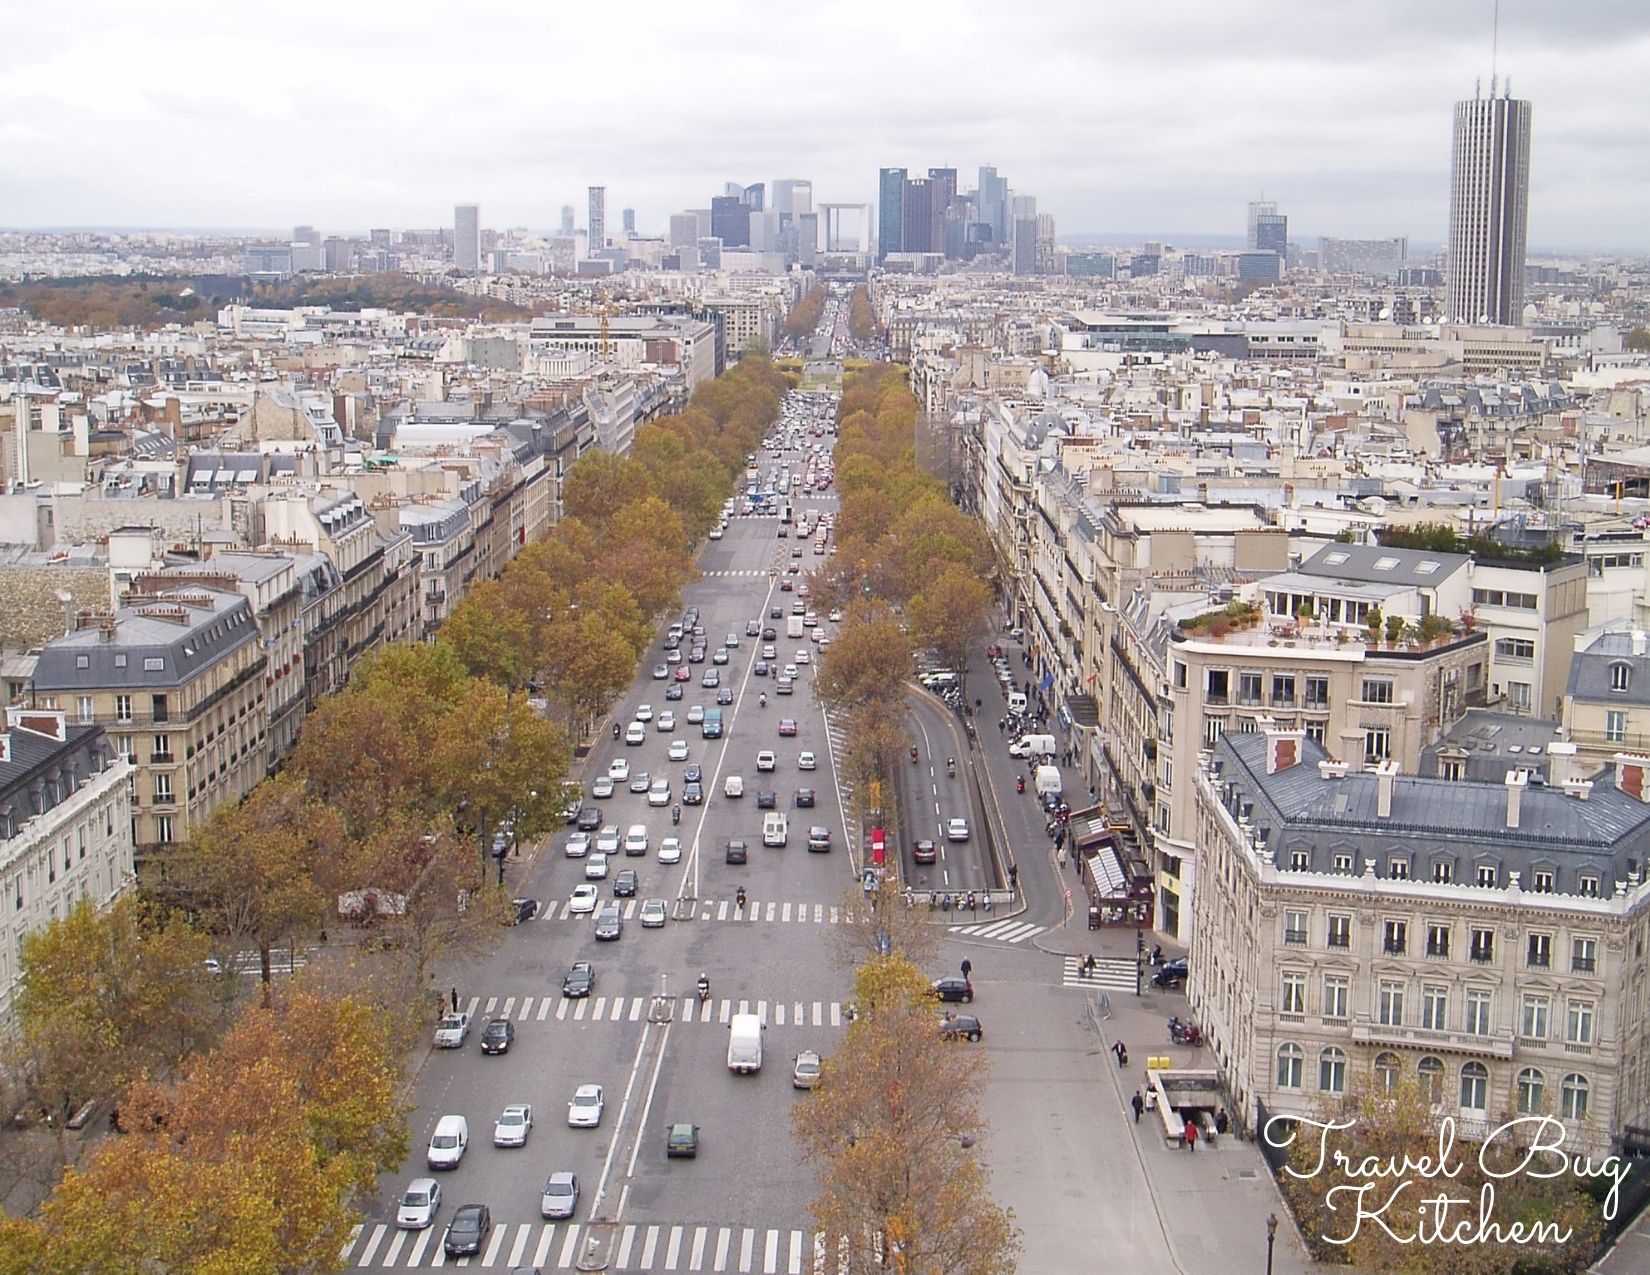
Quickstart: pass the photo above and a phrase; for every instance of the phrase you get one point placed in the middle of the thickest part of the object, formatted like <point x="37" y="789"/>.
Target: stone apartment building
<point x="1485" y="941"/>
<point x="1607" y="700"/>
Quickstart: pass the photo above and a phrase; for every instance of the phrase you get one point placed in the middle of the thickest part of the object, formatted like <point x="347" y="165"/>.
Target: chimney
<point x="1385" y="773"/>
<point x="1331" y="770"/>
<point x="1561" y="765"/>
<point x="1633" y="775"/>
<point x="1283" y="749"/>
<point x="1517" y="781"/>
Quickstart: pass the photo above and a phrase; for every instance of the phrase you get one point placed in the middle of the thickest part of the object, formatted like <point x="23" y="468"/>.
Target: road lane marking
<point x="724" y="1237"/>
<point x="542" y="1253"/>
<point x="674" y="1249"/>
<point x="636" y="1004"/>
<point x="696" y="1261"/>
<point x="498" y="1240"/>
<point x="648" y="1247"/>
<point x="747" y="1246"/>
<point x="355" y="1234"/>
<point x="795" y="1267"/>
<point x="415" y="1257"/>
<point x="394" y="1250"/>
<point x="570" y="1246"/>
<point x="544" y="1008"/>
<point x="373" y="1242"/>
<point x="526" y="1233"/>
<point x="627" y="1237"/>
<point x="770" y="1254"/>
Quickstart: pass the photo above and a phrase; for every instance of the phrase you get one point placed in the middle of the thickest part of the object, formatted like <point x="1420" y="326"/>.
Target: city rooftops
<point x="161" y="642"/>
<point x="1376" y="563"/>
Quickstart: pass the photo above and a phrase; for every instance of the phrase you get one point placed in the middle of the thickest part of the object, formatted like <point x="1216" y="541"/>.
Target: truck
<point x="1047" y="781"/>
<point x="745" y="1044"/>
<point x="775" y="828"/>
<point x="794" y="628"/>
<point x="1032" y="746"/>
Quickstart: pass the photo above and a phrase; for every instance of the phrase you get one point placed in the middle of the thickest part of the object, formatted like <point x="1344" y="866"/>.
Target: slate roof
<point x="1591" y="672"/>
<point x="182" y="650"/>
<point x="1358" y="562"/>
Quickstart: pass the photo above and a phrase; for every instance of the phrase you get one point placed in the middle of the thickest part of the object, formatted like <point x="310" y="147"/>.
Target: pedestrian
<point x="1139" y="1105"/>
<point x="1222" y="1122"/>
<point x="455" y="1000"/>
<point x="1061" y="858"/>
<point x="1191" y="1135"/>
<point x="967" y="968"/>
<point x="1089" y="964"/>
<point x="1123" y="1056"/>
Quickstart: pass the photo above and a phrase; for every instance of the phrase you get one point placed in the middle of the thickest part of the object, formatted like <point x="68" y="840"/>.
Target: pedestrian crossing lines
<point x="1115" y="973"/>
<point x="1002" y="931"/>
<point x="632" y="1247"/>
<point x="760" y="572"/>
<point x="776" y="910"/>
<point x="635" y="1009"/>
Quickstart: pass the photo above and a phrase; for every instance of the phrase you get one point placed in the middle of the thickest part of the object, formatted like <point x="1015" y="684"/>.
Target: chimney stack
<point x="1283" y="749"/>
<point x="1561" y="765"/>
<point x="1385" y="774"/>
<point x="1517" y="781"/>
<point x="1633" y="775"/>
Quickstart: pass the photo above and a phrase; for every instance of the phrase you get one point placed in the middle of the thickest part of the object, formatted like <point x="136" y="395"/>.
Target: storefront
<point x="1114" y="872"/>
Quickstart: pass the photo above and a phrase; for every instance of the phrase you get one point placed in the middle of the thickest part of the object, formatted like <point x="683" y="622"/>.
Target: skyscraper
<point x="1272" y="234"/>
<point x="629" y="216"/>
<point x="567" y="221"/>
<point x="1489" y="206"/>
<point x="793" y="196"/>
<point x="1258" y="208"/>
<point x="992" y="199"/>
<point x="598" y="220"/>
<point x="467" y="237"/>
<point x="730" y="221"/>
<point x="890" y="211"/>
<point x="917" y="231"/>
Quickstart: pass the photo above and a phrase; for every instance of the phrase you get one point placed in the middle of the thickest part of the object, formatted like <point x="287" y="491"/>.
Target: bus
<point x="711" y="728"/>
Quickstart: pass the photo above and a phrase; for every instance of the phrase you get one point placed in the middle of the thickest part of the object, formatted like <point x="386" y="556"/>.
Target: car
<point x="925" y="851"/>
<point x="678" y="750"/>
<point x="720" y="657"/>
<point x="804" y="798"/>
<point x="790" y="673"/>
<point x="956" y="830"/>
<point x="670" y="850"/>
<point x="775" y="613"/>
<point x="766" y="760"/>
<point x="796" y="551"/>
<point x="583" y="900"/>
<point x="560" y="1197"/>
<point x="595" y="868"/>
<point x="635" y="733"/>
<point x="609" y="926"/>
<point x="784" y="685"/>
<point x="803" y="656"/>
<point x="419" y="1203"/>
<point x="805" y="1071"/>
<point x="769" y="634"/>
<point x="752" y="627"/>
<point x="725" y="695"/>
<point x="835" y="617"/>
<point x="960" y="1027"/>
<point x="674" y="690"/>
<point x="601" y="787"/>
<point x="660" y="672"/>
<point x="578" y="845"/>
<point x="666" y="721"/>
<point x="497" y="1036"/>
<point x="806" y="761"/>
<point x="624" y="885"/>
<point x="682" y="1142"/>
<point x="635" y="839"/>
<point x="715" y="533"/>
<point x="710" y="679"/>
<point x="953" y="987"/>
<point x="799" y="607"/>
<point x="759" y="669"/>
<point x="618" y="770"/>
<point x="607" y="840"/>
<point x="733" y="786"/>
<point x="766" y="799"/>
<point x="819" y="839"/>
<point x="513" y="1125"/>
<point x="584" y="1110"/>
<point x="693" y="774"/>
<point x="644" y="712"/>
<point x="523" y="910"/>
<point x="652" y="913"/>
<point x="692" y="795"/>
<point x="579" y="979"/>
<point x="696" y="715"/>
<point x="590" y="818"/>
<point x="682" y="674"/>
<point x="787" y="726"/>
<point x="1171" y="974"/>
<point x="453" y="1030"/>
<point x="468" y="1230"/>
<point x="736" y="851"/>
<point x="732" y="641"/>
<point x="658" y="792"/>
<point x="696" y="655"/>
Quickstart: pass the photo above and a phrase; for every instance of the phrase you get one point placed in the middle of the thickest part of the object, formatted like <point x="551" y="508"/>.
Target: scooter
<point x="615" y="730"/>
<point x="704" y="988"/>
<point x="1020" y="784"/>
<point x="1185" y="1033"/>
<point x="739" y="897"/>
<point x="913" y="756"/>
<point x="675" y="814"/>
<point x="951" y="767"/>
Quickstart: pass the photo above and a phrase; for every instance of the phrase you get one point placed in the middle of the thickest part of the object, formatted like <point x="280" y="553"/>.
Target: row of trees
<point x="862" y="321"/>
<point x="804" y="315"/>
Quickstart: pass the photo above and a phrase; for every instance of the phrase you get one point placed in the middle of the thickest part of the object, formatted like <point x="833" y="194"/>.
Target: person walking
<point x="1139" y="1105"/>
<point x="1191" y="1135"/>
<point x="967" y="969"/>
<point x="455" y="1000"/>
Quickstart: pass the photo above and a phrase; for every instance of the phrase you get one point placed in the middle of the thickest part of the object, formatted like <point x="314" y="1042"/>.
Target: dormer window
<point x="1620" y="676"/>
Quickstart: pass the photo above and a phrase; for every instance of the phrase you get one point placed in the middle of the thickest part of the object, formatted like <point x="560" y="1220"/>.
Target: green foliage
<point x="1638" y="340"/>
<point x="804" y="315"/>
<point x="1433" y="537"/>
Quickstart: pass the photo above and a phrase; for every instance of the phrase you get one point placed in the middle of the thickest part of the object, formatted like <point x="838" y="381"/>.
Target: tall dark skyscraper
<point x="1489" y="207"/>
<point x="1272" y="233"/>
<point x="942" y="184"/>
<point x="992" y="200"/>
<point x="730" y="221"/>
<point x="890" y="211"/>
<point x="917" y="231"/>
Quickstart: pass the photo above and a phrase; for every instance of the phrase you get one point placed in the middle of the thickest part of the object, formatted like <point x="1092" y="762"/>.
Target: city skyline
<point x="1185" y="114"/>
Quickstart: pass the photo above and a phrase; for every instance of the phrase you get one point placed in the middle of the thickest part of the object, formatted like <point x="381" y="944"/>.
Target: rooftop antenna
<point x="1495" y="43"/>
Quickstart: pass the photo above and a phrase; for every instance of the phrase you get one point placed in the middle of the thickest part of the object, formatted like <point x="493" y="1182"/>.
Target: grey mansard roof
<point x="1591" y="671"/>
<point x="1358" y="562"/>
<point x="159" y="644"/>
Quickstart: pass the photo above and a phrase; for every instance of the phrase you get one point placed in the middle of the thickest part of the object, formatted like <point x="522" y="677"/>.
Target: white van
<point x="448" y="1143"/>
<point x="774" y="828"/>
<point x="745" y="1044"/>
<point x="1016" y="701"/>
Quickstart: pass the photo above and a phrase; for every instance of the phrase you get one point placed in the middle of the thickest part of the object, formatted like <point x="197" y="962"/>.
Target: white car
<point x="658" y="794"/>
<point x="578" y="845"/>
<point x="419" y="1203"/>
<point x="607" y="840"/>
<point x="653" y="913"/>
<point x="513" y="1125"/>
<point x="635" y="733"/>
<point x="790" y="671"/>
<point x="803" y="657"/>
<point x="601" y="787"/>
<point x="583" y="902"/>
<point x="670" y="850"/>
<point x="595" y="868"/>
<point x="618" y="770"/>
<point x="678" y="750"/>
<point x="644" y="712"/>
<point x="765" y="760"/>
<point x="956" y="830"/>
<point x="805" y="761"/>
<point x="715" y="533"/>
<point x="452" y="1030"/>
<point x="835" y="617"/>
<point x="733" y="786"/>
<point x="585" y="1110"/>
<point x="666" y="721"/>
<point x="635" y="839"/>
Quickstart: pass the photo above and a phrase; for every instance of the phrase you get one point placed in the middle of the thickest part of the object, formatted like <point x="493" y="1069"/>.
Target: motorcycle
<point x="1020" y="784"/>
<point x="739" y="897"/>
<point x="615" y="730"/>
<point x="675" y="814"/>
<point x="913" y="756"/>
<point x="704" y="988"/>
<point x="1185" y="1033"/>
<point x="951" y="767"/>
<point x="762" y="699"/>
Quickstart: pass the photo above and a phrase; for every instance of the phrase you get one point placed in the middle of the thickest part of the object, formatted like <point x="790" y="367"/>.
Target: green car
<point x="682" y="1142"/>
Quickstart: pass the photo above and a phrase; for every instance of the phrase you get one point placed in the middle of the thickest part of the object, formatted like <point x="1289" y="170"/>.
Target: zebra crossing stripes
<point x="635" y="1009"/>
<point x="1002" y="931"/>
<point x="1114" y="973"/>
<point x="726" y="910"/>
<point x="738" y="574"/>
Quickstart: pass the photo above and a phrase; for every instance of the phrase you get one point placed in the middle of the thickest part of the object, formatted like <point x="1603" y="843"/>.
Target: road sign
<point x="1068" y="894"/>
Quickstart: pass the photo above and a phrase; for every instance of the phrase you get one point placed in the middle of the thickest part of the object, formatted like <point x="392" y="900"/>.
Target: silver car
<point x="561" y="1196"/>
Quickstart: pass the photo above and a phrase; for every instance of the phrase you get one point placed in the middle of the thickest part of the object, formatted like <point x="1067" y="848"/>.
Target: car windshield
<point x="415" y="1198"/>
<point x="443" y="1141"/>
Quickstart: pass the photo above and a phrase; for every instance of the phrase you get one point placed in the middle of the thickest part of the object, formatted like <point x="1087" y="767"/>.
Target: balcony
<point x="1583" y="965"/>
<point x="1481" y="956"/>
<point x="1498" y="1046"/>
<point x="1539" y="960"/>
<point x="1342" y="941"/>
<point x="1295" y="938"/>
<point x="1394" y="947"/>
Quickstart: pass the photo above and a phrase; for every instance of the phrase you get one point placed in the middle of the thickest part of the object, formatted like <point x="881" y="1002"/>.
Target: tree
<point x="1638" y="340"/>
<point x="599" y="484"/>
<point x="951" y="614"/>
<point x="892" y="1128"/>
<point x="881" y="920"/>
<point x="866" y="661"/>
<point x="492" y="637"/>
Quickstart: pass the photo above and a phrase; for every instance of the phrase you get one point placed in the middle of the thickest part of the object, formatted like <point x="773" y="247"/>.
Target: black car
<point x="524" y="909"/>
<point x="771" y="634"/>
<point x="925" y="851"/>
<point x="578" y="980"/>
<point x="711" y="678"/>
<point x="1171" y="974"/>
<point x="766" y="799"/>
<point x="736" y="851"/>
<point x="774" y="613"/>
<point x="725" y="695"/>
<point x="590" y="818"/>
<point x="498" y="1036"/>
<point x="693" y="774"/>
<point x="759" y="669"/>
<point x="960" y="1027"/>
<point x="953" y="988"/>
<point x="804" y="798"/>
<point x="624" y="885"/>
<point x="692" y="795"/>
<point x="673" y="691"/>
<point x="467" y="1230"/>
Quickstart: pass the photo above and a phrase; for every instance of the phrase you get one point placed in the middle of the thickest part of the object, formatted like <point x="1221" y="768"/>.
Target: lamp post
<point x="1139" y="951"/>
<point x="1271" y="1237"/>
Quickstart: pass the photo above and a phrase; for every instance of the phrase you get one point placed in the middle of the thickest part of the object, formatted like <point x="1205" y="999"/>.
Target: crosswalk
<point x="777" y="911"/>
<point x="1114" y="973"/>
<point x="635" y="1009"/>
<point x="1002" y="931"/>
<point x="761" y="572"/>
<point x="632" y="1247"/>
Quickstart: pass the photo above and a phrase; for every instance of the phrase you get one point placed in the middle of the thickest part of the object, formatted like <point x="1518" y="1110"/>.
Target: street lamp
<point x="1271" y="1236"/>
<point x="1139" y="952"/>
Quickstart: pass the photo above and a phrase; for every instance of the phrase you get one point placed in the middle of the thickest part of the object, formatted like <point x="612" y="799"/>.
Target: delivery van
<point x="1016" y="701"/>
<point x="745" y="1044"/>
<point x="1048" y="781"/>
<point x="1032" y="746"/>
<point x="774" y="828"/>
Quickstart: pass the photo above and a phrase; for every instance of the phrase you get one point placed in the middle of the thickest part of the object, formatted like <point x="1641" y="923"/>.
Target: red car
<point x="787" y="726"/>
<point x="682" y="673"/>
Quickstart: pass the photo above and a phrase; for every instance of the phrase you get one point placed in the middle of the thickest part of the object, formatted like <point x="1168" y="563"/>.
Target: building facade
<point x="598" y="220"/>
<point x="1488" y="210"/>
<point x="467" y="237"/>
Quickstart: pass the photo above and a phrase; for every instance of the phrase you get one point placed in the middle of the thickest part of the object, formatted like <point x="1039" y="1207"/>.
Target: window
<point x="1291" y="1066"/>
<point x="1316" y="732"/>
<point x="1532" y="1024"/>
<point x="1294" y="927"/>
<point x="1429" y="1075"/>
<point x="1532" y="1092"/>
<point x="1377" y="743"/>
<point x="1583" y="956"/>
<point x="1217" y="688"/>
<point x="1398" y="869"/>
<point x="1387" y="563"/>
<point x="1395" y="938"/>
<point x="1541" y="881"/>
<point x="1482" y="946"/>
<point x="1518" y="696"/>
<point x="1452" y="770"/>
<point x="1213" y="729"/>
<point x="1299" y="861"/>
<point x="1475" y="1086"/>
<point x="83" y="708"/>
<point x="1503" y="598"/>
<point x="123" y="708"/>
<point x="1478" y="1012"/>
<point x="1578" y="1022"/>
<point x="163" y="829"/>
<point x="1615" y="726"/>
<point x="1587" y="885"/>
<point x="1283" y="690"/>
<point x="1435" y="1008"/>
<point x="1620" y="676"/>
<point x="1515" y="650"/>
<point x="1389" y="1004"/>
<point x="1317" y="691"/>
<point x="1387" y="1072"/>
<point x="1337" y="991"/>
<point x="1443" y="871"/>
<point x="123" y="746"/>
<point x="1437" y="940"/>
<point x="1340" y="927"/>
<point x="1294" y="994"/>
<point x="1332" y="1071"/>
<point x="1377" y="690"/>
<point x="1487" y="876"/>
<point x="1179" y="675"/>
<point x="1248" y="688"/>
<point x="1573" y="1097"/>
<point x="163" y="787"/>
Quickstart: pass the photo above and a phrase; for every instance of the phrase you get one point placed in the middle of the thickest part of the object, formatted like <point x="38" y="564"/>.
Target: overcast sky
<point x="1118" y="115"/>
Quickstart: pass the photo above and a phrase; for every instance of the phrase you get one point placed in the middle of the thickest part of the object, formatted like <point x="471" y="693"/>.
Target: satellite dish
<point x="1386" y="313"/>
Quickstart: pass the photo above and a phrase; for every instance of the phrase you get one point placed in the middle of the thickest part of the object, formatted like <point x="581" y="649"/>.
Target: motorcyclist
<point x="762" y="699"/>
<point x="951" y="765"/>
<point x="676" y="814"/>
<point x="704" y="987"/>
<point x="913" y="754"/>
<point x="615" y="730"/>
<point x="739" y="896"/>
